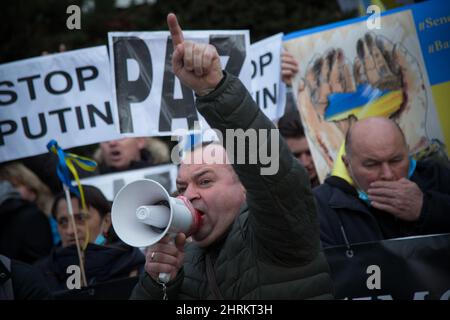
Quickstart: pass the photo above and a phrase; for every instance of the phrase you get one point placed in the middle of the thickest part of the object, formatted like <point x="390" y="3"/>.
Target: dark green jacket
<point x="272" y="250"/>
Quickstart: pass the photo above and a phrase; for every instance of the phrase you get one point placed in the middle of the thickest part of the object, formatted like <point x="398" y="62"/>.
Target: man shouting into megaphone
<point x="259" y="237"/>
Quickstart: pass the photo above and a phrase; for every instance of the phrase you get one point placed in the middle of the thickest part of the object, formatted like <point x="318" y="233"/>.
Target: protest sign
<point x="150" y="99"/>
<point x="413" y="268"/>
<point x="63" y="96"/>
<point x="111" y="183"/>
<point x="268" y="91"/>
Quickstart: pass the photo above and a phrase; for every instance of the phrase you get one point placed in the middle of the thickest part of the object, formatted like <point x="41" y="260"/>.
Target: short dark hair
<point x="93" y="197"/>
<point x="205" y="144"/>
<point x="290" y="125"/>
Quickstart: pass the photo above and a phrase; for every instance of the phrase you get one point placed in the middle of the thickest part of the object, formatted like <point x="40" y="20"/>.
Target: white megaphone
<point x="143" y="213"/>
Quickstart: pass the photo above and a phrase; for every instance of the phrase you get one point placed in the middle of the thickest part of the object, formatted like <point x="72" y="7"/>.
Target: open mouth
<point x="115" y="155"/>
<point x="198" y="221"/>
<point x="200" y="212"/>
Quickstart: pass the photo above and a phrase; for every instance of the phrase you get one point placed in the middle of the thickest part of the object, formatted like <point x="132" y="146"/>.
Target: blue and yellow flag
<point x="66" y="163"/>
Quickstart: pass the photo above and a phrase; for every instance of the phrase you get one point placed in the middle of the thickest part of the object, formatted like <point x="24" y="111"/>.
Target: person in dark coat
<point x="25" y="232"/>
<point x="106" y="257"/>
<point x="102" y="263"/>
<point x="20" y="281"/>
<point x="391" y="195"/>
<point x="259" y="236"/>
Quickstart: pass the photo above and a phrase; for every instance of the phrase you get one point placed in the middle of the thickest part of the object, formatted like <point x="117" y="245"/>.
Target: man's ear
<point x="244" y="191"/>
<point x="106" y="224"/>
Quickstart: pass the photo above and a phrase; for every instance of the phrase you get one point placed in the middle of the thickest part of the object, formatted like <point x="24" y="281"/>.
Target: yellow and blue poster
<point x="396" y="67"/>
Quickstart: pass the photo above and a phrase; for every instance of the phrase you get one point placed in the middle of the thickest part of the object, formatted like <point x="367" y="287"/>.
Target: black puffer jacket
<point x="102" y="263"/>
<point x="344" y="219"/>
<point x="272" y="250"/>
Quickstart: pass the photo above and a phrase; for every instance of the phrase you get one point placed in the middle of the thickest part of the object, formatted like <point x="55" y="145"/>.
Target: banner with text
<point x="111" y="183"/>
<point x="268" y="90"/>
<point x="63" y="96"/>
<point x="150" y="99"/>
<point x="414" y="268"/>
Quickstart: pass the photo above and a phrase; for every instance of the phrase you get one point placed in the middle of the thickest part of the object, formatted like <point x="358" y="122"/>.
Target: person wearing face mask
<point x="106" y="258"/>
<point x="390" y="195"/>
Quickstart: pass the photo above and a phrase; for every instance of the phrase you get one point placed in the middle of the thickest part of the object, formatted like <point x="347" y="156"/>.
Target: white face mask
<point x="362" y="195"/>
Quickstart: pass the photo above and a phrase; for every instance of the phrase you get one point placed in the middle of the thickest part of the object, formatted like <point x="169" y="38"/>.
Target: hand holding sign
<point x="197" y="65"/>
<point x="289" y="67"/>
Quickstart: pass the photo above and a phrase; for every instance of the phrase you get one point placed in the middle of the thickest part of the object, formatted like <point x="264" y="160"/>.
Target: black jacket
<point x="28" y="283"/>
<point x="272" y="250"/>
<point x="341" y="212"/>
<point x="25" y="233"/>
<point x="102" y="263"/>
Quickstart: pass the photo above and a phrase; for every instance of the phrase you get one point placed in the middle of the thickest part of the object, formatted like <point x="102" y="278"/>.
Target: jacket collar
<point x="214" y="247"/>
<point x="344" y="196"/>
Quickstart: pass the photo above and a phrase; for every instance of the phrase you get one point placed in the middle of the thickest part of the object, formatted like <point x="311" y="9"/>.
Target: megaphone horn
<point x="143" y="213"/>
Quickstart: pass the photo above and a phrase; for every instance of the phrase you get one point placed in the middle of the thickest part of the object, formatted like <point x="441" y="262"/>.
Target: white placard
<point x="268" y="90"/>
<point x="150" y="100"/>
<point x="111" y="183"/>
<point x="64" y="96"/>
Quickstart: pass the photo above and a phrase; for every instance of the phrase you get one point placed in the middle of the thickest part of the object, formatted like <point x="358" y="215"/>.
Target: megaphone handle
<point x="163" y="276"/>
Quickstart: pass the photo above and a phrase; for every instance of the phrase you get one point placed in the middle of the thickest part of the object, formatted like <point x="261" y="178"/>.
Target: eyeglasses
<point x="80" y="219"/>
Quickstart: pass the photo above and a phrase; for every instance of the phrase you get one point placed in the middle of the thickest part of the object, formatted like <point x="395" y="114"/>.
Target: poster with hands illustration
<point x="348" y="72"/>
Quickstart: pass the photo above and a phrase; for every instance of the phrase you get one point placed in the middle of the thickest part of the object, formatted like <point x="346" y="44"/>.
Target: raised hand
<point x="197" y="65"/>
<point x="289" y="67"/>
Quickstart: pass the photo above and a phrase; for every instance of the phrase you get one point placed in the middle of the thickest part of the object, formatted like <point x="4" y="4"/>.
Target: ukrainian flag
<point x="365" y="102"/>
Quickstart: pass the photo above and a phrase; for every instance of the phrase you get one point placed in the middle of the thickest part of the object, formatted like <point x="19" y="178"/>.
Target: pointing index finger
<point x="175" y="30"/>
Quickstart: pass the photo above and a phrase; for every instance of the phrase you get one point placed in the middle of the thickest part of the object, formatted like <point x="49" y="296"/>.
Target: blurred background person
<point x="25" y="232"/>
<point x="32" y="189"/>
<point x="293" y="133"/>
<point x="130" y="153"/>
<point x="106" y="257"/>
<point x="20" y="281"/>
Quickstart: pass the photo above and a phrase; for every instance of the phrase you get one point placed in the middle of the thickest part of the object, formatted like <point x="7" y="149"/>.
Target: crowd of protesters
<point x="387" y="195"/>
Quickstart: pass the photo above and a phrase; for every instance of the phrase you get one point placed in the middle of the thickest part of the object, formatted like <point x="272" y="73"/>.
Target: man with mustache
<point x="259" y="237"/>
